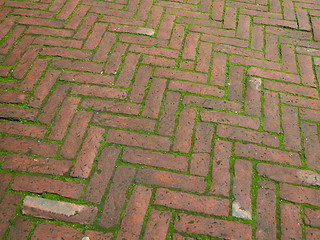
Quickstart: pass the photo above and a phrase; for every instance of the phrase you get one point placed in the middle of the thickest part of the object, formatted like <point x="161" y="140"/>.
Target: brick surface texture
<point x="159" y="119"/>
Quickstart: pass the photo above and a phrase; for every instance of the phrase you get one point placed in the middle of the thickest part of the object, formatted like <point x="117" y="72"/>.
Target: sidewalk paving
<point x="160" y="119"/>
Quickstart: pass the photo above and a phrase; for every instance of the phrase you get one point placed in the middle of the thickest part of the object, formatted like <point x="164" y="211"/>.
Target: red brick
<point x="60" y="125"/>
<point x="204" y="133"/>
<point x="51" y="231"/>
<point x="39" y="185"/>
<point x="166" y="25"/>
<point x="21" y="228"/>
<point x="171" y="180"/>
<point x="200" y="164"/>
<point x="190" y="45"/>
<point x="101" y="175"/>
<point x="43" y="88"/>
<point x="195" y="88"/>
<point x="6" y="25"/>
<point x="112" y="12"/>
<point x="267" y="154"/>
<point x="303" y="19"/>
<point x="115" y="58"/>
<point x="191" y="14"/>
<point x="273" y="75"/>
<point x="133" y="218"/>
<point x="7" y="111"/>
<point x="58" y="210"/>
<point x="51" y="107"/>
<point x="290" y="221"/>
<point x="247" y="135"/>
<point x="290" y="88"/>
<point x="271" y="119"/>
<point x="230" y="118"/>
<point x="35" y="131"/>
<point x="254" y="62"/>
<point x="75" y="134"/>
<point x="44" y="22"/>
<point x="177" y="36"/>
<point x="229" y="21"/>
<point x="156" y="159"/>
<point x="88" y="152"/>
<point x="163" y="52"/>
<point x="7" y="211"/>
<point x="154" y="17"/>
<point x="95" y="36"/>
<point x="4" y="71"/>
<point x="16" y="144"/>
<point x="306" y="70"/>
<point x="214" y="31"/>
<point x="176" y="236"/>
<point x="67" y="9"/>
<point x="5" y="181"/>
<point x="124" y="122"/>
<point x="312" y="233"/>
<point x="205" y="51"/>
<point x="168" y="113"/>
<point x="111" y="106"/>
<point x="220" y="169"/>
<point x="288" y="174"/>
<point x="290" y="126"/>
<point x="158" y="61"/>
<point x="138" y="140"/>
<point x="179" y="74"/>
<point x="185" y="201"/>
<point x="136" y="39"/>
<point x="66" y="53"/>
<point x="195" y="21"/>
<point x="212" y="227"/>
<point x="85" y="27"/>
<point x="312" y="217"/>
<point x="128" y="69"/>
<point x="266" y="211"/>
<point x="154" y="98"/>
<point x="184" y="130"/>
<point x="235" y="82"/>
<point x="311" y="144"/>
<point x="316" y="27"/>
<point x="18" y="50"/>
<point x="140" y="83"/>
<point x="104" y="47"/>
<point x="12" y="97"/>
<point x="300" y="194"/>
<point x="238" y="51"/>
<point x="33" y="75"/>
<point x="77" y="65"/>
<point x="157" y="225"/>
<point x="288" y="58"/>
<point x="271" y="48"/>
<point x="57" y="42"/>
<point x="36" y="164"/>
<point x="49" y="31"/>
<point x="257" y="39"/>
<point x="309" y="114"/>
<point x="300" y="101"/>
<point x="56" y="5"/>
<point x="275" y="22"/>
<point x="144" y="10"/>
<point x="244" y="23"/>
<point x="217" y="9"/>
<point x="77" y="16"/>
<point x="116" y="196"/>
<point x="98" y="91"/>
<point x="86" y="78"/>
<point x="253" y="96"/>
<point x="218" y="72"/>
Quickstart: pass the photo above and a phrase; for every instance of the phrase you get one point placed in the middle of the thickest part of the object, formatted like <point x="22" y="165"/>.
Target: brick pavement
<point x="160" y="119"/>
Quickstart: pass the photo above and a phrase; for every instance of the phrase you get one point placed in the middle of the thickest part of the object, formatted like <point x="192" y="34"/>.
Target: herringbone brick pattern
<point x="160" y="119"/>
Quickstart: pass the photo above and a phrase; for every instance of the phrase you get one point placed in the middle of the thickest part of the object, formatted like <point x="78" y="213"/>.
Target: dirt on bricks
<point x="160" y="119"/>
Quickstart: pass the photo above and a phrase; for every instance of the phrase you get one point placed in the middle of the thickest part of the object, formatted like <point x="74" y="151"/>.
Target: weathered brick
<point x="65" y="211"/>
